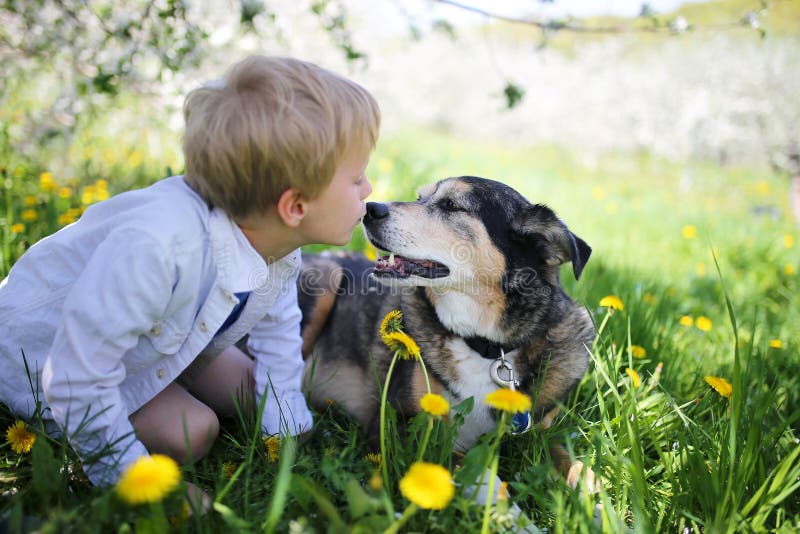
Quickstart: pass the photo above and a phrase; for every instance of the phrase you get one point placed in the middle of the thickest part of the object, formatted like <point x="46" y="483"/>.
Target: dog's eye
<point x="448" y="205"/>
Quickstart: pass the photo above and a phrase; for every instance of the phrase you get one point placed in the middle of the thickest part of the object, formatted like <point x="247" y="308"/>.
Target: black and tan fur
<point x="503" y="256"/>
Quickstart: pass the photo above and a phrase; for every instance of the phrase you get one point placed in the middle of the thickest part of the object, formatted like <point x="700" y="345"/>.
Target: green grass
<point x="671" y="453"/>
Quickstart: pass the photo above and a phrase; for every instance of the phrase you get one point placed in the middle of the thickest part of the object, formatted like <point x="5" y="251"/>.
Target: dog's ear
<point x="539" y="226"/>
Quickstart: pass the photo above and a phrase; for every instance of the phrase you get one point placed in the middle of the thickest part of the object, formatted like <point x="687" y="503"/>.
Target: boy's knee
<point x="198" y="431"/>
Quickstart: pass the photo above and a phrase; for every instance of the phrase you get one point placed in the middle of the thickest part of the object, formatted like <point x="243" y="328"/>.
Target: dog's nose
<point x="376" y="210"/>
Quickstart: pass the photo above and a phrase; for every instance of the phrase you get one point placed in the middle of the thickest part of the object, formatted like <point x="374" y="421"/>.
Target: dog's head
<point x="489" y="257"/>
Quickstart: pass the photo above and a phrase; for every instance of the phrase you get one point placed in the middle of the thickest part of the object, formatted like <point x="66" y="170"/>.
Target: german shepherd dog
<point x="474" y="268"/>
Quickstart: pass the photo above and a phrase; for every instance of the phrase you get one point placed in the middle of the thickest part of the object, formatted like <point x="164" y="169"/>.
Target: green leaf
<point x="46" y="469"/>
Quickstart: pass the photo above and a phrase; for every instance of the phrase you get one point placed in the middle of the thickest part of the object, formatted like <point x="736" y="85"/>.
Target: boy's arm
<point x="124" y="287"/>
<point x="276" y="345"/>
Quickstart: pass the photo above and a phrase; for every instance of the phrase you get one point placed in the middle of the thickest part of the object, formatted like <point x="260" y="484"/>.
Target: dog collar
<point x="521" y="422"/>
<point x="487" y="349"/>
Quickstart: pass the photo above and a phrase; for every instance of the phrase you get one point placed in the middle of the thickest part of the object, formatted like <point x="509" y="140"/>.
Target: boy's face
<point x="333" y="215"/>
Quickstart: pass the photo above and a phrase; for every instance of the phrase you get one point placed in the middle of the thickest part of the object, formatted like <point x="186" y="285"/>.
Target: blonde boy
<point x="128" y="318"/>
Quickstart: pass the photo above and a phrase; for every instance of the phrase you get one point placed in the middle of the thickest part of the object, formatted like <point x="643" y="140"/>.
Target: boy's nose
<point x="376" y="210"/>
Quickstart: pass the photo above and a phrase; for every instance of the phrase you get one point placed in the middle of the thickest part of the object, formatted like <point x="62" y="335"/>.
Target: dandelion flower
<point x="686" y="320"/>
<point x="788" y="269"/>
<point x="776" y="343"/>
<point x="638" y="351"/>
<point x="509" y="400"/>
<point x="229" y="468"/>
<point x="613" y="302"/>
<point x="434" y="404"/>
<point x="376" y="481"/>
<point x="429" y="486"/>
<point x="29" y="200"/>
<point x="273" y="444"/>
<point x="689" y="231"/>
<point x="649" y="298"/>
<point x="29" y="215"/>
<point x="635" y="379"/>
<point x="17" y="228"/>
<point x="374" y="458"/>
<point x="788" y="241"/>
<point x="46" y="181"/>
<point x="392" y="322"/>
<point x="64" y="192"/>
<point x="722" y="386"/>
<point x="402" y="343"/>
<point x="20" y="438"/>
<point x="703" y="323"/>
<point x="149" y="479"/>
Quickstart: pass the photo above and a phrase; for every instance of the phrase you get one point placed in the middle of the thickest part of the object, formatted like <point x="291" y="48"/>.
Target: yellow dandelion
<point x="689" y="231"/>
<point x="788" y="269"/>
<point x="509" y="400"/>
<point x="392" y="322"/>
<point x="135" y="159"/>
<point x="17" y="228"/>
<point x="788" y="241"/>
<point x="403" y="344"/>
<point x="64" y="192"/>
<point x="703" y="323"/>
<point x="429" y="486"/>
<point x="148" y="479"/>
<point x="65" y="219"/>
<point x="722" y="386"/>
<point x="434" y="404"/>
<point x="762" y="187"/>
<point x="29" y="215"/>
<point x="273" y="444"/>
<point x="101" y="194"/>
<point x="635" y="379"/>
<point x="686" y="320"/>
<point x="20" y="438"/>
<point x="376" y="481"/>
<point x="502" y="492"/>
<point x="88" y="195"/>
<point x="776" y="343"/>
<point x="598" y="193"/>
<point x="374" y="458"/>
<point x="29" y="200"/>
<point x="649" y="298"/>
<point x="46" y="181"/>
<point x="101" y="184"/>
<point x="613" y="302"/>
<point x="638" y="351"/>
<point x="370" y="253"/>
<point x="700" y="269"/>
<point x="229" y="468"/>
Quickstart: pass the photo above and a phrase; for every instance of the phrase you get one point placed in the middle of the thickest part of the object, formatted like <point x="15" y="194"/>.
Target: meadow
<point x="703" y="261"/>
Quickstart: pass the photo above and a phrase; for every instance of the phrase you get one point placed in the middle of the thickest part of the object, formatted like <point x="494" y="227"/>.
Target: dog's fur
<point x="503" y="256"/>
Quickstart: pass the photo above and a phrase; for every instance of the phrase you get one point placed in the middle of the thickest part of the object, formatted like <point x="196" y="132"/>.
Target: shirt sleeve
<point x="276" y="345"/>
<point x="125" y="286"/>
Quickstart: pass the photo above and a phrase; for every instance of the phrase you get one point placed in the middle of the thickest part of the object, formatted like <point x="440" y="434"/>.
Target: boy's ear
<point x="292" y="207"/>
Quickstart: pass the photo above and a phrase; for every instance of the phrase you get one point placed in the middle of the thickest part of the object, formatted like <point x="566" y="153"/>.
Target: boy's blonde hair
<point x="275" y="123"/>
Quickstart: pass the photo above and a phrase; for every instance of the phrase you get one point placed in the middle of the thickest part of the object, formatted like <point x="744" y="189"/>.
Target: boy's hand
<point x="199" y="501"/>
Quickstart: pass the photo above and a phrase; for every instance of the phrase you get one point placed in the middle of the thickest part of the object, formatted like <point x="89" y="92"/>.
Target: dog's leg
<point x="322" y="308"/>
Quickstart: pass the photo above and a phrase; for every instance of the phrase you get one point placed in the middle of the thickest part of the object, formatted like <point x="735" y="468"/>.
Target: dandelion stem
<point x="398" y="524"/>
<point x="494" y="458"/>
<point x="425" y="374"/>
<point x="384" y="394"/>
<point x="426" y="438"/>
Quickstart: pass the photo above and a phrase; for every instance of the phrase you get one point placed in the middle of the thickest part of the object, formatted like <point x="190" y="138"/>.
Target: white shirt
<point x="111" y="309"/>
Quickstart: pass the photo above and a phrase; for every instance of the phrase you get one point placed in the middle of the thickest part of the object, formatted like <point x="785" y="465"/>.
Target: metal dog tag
<point x="502" y="373"/>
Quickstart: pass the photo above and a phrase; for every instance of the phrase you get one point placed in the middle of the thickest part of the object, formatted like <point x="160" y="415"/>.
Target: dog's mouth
<point x="398" y="266"/>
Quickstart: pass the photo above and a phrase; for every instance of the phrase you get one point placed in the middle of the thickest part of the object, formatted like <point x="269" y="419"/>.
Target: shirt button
<point x="228" y="295"/>
<point x="156" y="330"/>
<point x="160" y="373"/>
<point x="203" y="327"/>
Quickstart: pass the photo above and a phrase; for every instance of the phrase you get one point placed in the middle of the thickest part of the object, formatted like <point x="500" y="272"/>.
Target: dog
<point x="474" y="268"/>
